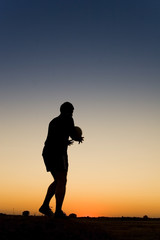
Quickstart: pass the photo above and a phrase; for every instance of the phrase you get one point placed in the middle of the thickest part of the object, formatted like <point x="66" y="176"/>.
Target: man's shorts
<point x="55" y="161"/>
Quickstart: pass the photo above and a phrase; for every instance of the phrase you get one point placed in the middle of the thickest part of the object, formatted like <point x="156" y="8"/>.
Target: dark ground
<point x="38" y="228"/>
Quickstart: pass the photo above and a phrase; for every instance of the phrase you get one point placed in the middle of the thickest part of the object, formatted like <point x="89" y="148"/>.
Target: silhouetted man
<point x="56" y="158"/>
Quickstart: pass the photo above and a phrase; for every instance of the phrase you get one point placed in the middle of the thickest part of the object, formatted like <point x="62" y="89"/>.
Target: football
<point x="77" y="133"/>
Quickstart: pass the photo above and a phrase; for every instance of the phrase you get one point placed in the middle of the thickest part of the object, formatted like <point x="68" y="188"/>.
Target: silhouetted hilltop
<point x="84" y="228"/>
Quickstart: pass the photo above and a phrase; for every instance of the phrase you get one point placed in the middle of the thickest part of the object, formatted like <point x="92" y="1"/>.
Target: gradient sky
<point x="103" y="56"/>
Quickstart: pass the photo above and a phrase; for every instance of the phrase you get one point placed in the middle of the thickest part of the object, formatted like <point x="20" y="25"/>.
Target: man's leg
<point x="61" y="180"/>
<point x="45" y="206"/>
<point x="50" y="194"/>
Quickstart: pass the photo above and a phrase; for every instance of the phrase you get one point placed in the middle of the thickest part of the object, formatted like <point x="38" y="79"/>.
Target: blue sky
<point x="80" y="38"/>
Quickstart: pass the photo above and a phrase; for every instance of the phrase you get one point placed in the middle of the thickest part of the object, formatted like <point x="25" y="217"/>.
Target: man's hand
<point x="81" y="140"/>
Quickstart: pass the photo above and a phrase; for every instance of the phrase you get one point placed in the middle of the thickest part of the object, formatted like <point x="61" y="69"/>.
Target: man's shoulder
<point x="54" y="120"/>
<point x="61" y="120"/>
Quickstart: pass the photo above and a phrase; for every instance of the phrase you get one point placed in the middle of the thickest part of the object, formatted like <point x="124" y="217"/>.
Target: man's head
<point x="66" y="109"/>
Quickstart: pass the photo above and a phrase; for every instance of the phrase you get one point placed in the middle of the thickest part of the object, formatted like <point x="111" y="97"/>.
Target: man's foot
<point x="60" y="214"/>
<point x="46" y="211"/>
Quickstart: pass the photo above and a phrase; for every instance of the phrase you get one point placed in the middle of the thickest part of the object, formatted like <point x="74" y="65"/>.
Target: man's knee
<point x="61" y="178"/>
